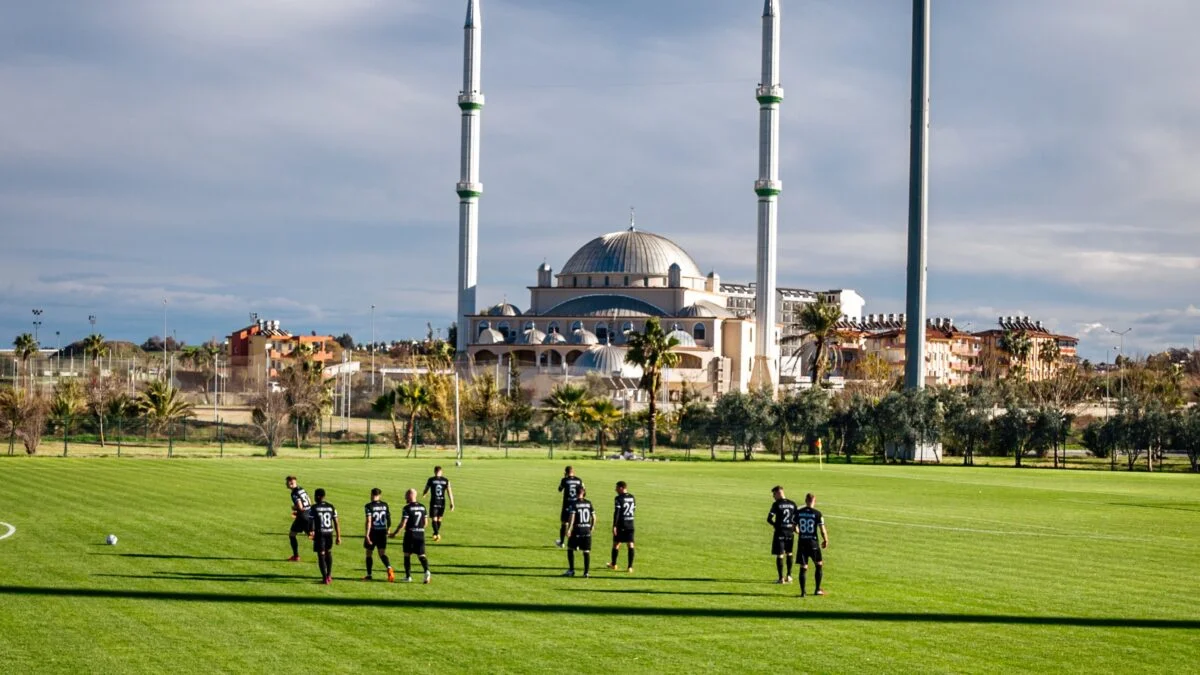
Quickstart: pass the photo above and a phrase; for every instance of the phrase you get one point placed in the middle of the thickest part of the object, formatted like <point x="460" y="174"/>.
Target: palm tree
<point x="415" y="398"/>
<point x="161" y="405"/>
<point x="820" y="320"/>
<point x="652" y="351"/>
<point x="603" y="416"/>
<point x="1049" y="354"/>
<point x="565" y="405"/>
<point x="387" y="404"/>
<point x="95" y="348"/>
<point x="25" y="347"/>
<point x="67" y="403"/>
<point x="1018" y="346"/>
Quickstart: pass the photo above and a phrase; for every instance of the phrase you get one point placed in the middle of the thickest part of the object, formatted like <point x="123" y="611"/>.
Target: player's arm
<point x="562" y="484"/>
<point x="337" y="529"/>
<point x="297" y="508"/>
<point x="426" y="490"/>
<point x="312" y="519"/>
<point x="367" y="529"/>
<point x="570" y="524"/>
<point x="403" y="522"/>
<point x="771" y="517"/>
<point x="824" y="534"/>
<point x="450" y="495"/>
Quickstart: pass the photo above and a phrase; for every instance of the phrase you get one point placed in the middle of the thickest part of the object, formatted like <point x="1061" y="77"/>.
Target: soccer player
<point x="301" y="523"/>
<point x="809" y="522"/>
<point x="325" y="531"/>
<point x="439" y="486"/>
<point x="783" y="518"/>
<point x="379" y="520"/>
<point x="571" y="487"/>
<point x="412" y="521"/>
<point x="579" y="534"/>
<point x="623" y="507"/>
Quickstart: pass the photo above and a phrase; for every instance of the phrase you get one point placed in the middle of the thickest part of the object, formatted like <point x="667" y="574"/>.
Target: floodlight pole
<point x="918" y="198"/>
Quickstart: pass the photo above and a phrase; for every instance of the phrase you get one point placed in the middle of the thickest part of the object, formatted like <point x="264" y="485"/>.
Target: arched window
<point x="606" y="281"/>
<point x="552" y="328"/>
<point x="602" y="332"/>
<point x="503" y="328"/>
<point x="626" y="279"/>
<point x="483" y="325"/>
<point x="627" y="328"/>
<point x="589" y="282"/>
<point x="529" y="325"/>
<point x="576" y="326"/>
<point x="575" y="281"/>
<point x="698" y="332"/>
<point x="645" y="281"/>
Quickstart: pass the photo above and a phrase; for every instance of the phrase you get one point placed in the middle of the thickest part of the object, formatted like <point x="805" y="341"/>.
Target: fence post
<point x="118" y="437"/>
<point x="320" y="433"/>
<point x="170" y="442"/>
<point x="368" y="438"/>
<point x="64" y="439"/>
<point x="221" y="436"/>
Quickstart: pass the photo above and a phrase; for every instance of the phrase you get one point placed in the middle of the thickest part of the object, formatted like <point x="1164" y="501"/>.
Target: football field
<point x="929" y="569"/>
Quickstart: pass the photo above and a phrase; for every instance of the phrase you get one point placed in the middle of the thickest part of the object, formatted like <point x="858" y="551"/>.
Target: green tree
<point x="820" y="320"/>
<point x="850" y="422"/>
<point x="652" y="351"/>
<point x="161" y="405"/>
<point x="1187" y="435"/>
<point x="968" y="418"/>
<point x="66" y="404"/>
<point x="564" y="408"/>
<point x="1017" y="346"/>
<point x="95" y="348"/>
<point x="25" y="347"/>
<point x="602" y="416"/>
<point x="804" y="415"/>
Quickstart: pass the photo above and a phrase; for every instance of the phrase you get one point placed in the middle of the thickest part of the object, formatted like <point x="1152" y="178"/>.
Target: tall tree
<point x="652" y="351"/>
<point x="414" y="398"/>
<point x="564" y="408"/>
<point x="25" y="347"/>
<point x="820" y="320"/>
<point x="161" y="405"/>
<point x="1017" y="346"/>
<point x="804" y="415"/>
<point x="66" y="404"/>
<point x="604" y="417"/>
<point x="269" y="416"/>
<point x="95" y="348"/>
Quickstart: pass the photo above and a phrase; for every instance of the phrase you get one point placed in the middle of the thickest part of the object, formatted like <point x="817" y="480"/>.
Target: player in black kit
<point x="783" y="518"/>
<point x="412" y="521"/>
<point x="438" y="486"/>
<point x="623" y="507"/>
<point x="379" y="520"/>
<point x="572" y="488"/>
<point x="809" y="522"/>
<point x="325" y="532"/>
<point x="579" y="534"/>
<point x="301" y="524"/>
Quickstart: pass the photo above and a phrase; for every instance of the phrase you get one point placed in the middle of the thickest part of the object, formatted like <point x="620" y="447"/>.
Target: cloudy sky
<point x="297" y="158"/>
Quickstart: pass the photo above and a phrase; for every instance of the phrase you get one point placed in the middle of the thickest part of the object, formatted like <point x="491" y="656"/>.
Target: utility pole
<point x="165" y="341"/>
<point x="372" y="347"/>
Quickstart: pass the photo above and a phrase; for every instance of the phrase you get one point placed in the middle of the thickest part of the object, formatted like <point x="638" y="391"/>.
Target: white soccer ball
<point x="111" y="540"/>
<point x="458" y="464"/>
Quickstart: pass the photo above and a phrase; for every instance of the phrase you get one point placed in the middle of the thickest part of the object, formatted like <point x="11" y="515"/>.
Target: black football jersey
<point x="623" y="508"/>
<point x="437" y="487"/>
<point x="783" y="516"/>
<point x="380" y="515"/>
<point x="299" y="495"/>
<point x="414" y="516"/>
<point x="585" y="517"/>
<point x="570" y="486"/>
<point x="809" y="520"/>
<point x="323" y="517"/>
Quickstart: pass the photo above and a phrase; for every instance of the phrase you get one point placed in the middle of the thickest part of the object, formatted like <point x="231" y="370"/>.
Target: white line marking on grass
<point x="1007" y="533"/>
<point x="12" y="529"/>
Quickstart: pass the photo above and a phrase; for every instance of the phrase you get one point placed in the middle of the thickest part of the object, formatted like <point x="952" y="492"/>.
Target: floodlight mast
<point x="918" y="201"/>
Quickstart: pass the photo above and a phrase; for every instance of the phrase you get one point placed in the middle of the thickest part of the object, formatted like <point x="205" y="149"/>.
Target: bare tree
<point x="269" y="415"/>
<point x="23" y="416"/>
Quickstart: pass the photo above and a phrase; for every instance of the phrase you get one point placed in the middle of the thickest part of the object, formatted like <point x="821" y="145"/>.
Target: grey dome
<point x="554" y="339"/>
<point x="705" y="309"/>
<point x="583" y="336"/>
<point x="503" y="309"/>
<point x="531" y="336"/>
<point x="685" y="338"/>
<point x="608" y="360"/>
<point x="611" y="306"/>
<point x="631" y="252"/>
<point x="490" y="336"/>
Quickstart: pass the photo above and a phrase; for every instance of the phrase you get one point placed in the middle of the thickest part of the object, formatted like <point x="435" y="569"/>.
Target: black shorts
<point x="378" y="540"/>
<point x="782" y="544"/>
<point x="809" y="548"/>
<point x="624" y="535"/>
<point x="580" y="542"/>
<point x="414" y="544"/>
<point x="322" y="542"/>
<point x="437" y="510"/>
<point x="301" y="525"/>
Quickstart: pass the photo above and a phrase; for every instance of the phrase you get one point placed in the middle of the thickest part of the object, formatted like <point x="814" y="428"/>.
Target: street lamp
<point x="164" y="336"/>
<point x="92" y="320"/>
<point x="1121" y="354"/>
<point x="37" y="323"/>
<point x="372" y="347"/>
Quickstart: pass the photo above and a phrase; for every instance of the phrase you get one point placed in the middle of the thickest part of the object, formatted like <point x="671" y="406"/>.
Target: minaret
<point x="470" y="101"/>
<point x="765" y="373"/>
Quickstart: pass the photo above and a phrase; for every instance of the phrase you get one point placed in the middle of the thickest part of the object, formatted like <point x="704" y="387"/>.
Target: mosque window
<point x="602" y="331"/>
<point x="646" y="281"/>
<point x="552" y="328"/>
<point x="606" y="281"/>
<point x="575" y="282"/>
<point x="627" y="327"/>
<point x="698" y="332"/>
<point x="626" y="280"/>
<point x="503" y="328"/>
<point x="589" y="282"/>
<point x="576" y="326"/>
<point x="529" y="325"/>
<point x="483" y="325"/>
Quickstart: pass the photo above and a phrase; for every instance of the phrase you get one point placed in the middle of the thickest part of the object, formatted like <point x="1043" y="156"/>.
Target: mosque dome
<point x="531" y="336"/>
<point x="583" y="336"/>
<point x="490" y="336"/>
<point x="631" y="252"/>
<point x="684" y="338"/>
<point x="554" y="339"/>
<point x="503" y="309"/>
<point x="608" y="360"/>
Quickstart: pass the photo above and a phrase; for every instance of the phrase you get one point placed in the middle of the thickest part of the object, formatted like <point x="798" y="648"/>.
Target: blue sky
<point x="298" y="159"/>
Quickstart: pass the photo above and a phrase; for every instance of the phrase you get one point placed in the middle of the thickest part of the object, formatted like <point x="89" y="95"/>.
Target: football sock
<point x="614" y="557"/>
<point x="407" y="566"/>
<point x="437" y="527"/>
<point x="571" y="559"/>
<point x="789" y="565"/>
<point x="779" y="566"/>
<point x="295" y="546"/>
<point x="384" y="559"/>
<point x="370" y="563"/>
<point x="803" y="578"/>
<point x="817" y="576"/>
<point x="562" y="531"/>
<point x="587" y="561"/>
<point x="329" y="563"/>
<point x="321" y="565"/>
<point x="424" y="563"/>
<point x="630" y="557"/>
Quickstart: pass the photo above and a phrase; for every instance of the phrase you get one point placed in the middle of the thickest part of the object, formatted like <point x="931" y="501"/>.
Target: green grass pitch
<point x="930" y="569"/>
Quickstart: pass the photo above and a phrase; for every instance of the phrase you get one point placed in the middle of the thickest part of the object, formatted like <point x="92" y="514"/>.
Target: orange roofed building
<point x="264" y="349"/>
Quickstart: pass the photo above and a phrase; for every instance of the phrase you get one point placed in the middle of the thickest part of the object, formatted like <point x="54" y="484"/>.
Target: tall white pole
<point x="918" y="200"/>
<point x="457" y="420"/>
<point x="372" y="347"/>
<point x="765" y="371"/>
<point x="470" y="101"/>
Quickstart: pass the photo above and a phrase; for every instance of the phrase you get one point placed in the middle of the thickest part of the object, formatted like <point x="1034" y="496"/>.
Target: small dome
<point x="554" y="339"/>
<point x="503" y="309"/>
<point x="608" y="360"/>
<point x="706" y="310"/>
<point x="583" y="336"/>
<point x="685" y="338"/>
<point x="531" y="336"/>
<point x="631" y="252"/>
<point x="490" y="336"/>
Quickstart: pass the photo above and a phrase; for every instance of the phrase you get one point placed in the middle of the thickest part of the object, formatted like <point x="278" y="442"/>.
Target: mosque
<point x="577" y="320"/>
